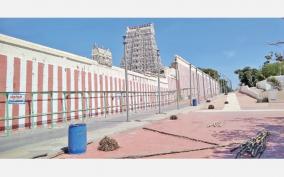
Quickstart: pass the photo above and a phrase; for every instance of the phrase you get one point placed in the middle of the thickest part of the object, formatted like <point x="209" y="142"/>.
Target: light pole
<point x="225" y="84"/>
<point x="159" y="89"/>
<point x="204" y="95"/>
<point x="126" y="79"/>
<point x="210" y="85"/>
<point x="190" y="79"/>
<point x="222" y="81"/>
<point x="197" y="84"/>
<point x="177" y="82"/>
<point x="220" y="84"/>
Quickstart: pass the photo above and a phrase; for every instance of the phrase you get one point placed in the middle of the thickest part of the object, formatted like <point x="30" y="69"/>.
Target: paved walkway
<point x="34" y="142"/>
<point x="196" y="136"/>
<point x="236" y="127"/>
<point x="233" y="103"/>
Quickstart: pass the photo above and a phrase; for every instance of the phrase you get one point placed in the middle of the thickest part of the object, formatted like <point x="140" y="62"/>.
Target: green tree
<point x="249" y="76"/>
<point x="272" y="69"/>
<point x="211" y="72"/>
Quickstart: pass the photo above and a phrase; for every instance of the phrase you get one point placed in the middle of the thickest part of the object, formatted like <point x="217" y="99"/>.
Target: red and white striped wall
<point x="24" y="75"/>
<point x="28" y="67"/>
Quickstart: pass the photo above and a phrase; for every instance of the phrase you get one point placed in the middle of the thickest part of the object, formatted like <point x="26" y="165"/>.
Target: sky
<point x="224" y="44"/>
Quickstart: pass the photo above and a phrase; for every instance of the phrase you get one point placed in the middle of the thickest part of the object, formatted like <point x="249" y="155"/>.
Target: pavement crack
<point x="40" y="156"/>
<point x="179" y="136"/>
<point x="172" y="152"/>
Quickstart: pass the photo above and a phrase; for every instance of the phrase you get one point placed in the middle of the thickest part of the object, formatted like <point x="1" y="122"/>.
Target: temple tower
<point x="141" y="49"/>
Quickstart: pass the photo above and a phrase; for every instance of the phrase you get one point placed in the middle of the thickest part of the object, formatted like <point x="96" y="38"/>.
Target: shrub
<point x="272" y="69"/>
<point x="108" y="144"/>
<point x="173" y="117"/>
<point x="211" y="106"/>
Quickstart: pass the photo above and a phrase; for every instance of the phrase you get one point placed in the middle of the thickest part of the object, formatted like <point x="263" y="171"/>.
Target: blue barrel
<point x="194" y="102"/>
<point x="77" y="138"/>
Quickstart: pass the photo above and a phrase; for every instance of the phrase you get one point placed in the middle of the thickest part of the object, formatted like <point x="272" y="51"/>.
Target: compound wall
<point x="189" y="76"/>
<point x="28" y="67"/>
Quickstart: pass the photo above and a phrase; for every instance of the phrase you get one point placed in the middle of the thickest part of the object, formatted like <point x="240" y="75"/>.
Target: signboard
<point x="16" y="98"/>
<point x="118" y="94"/>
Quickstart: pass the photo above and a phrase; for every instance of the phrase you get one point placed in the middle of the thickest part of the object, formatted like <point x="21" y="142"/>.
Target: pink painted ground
<point x="236" y="127"/>
<point x="247" y="102"/>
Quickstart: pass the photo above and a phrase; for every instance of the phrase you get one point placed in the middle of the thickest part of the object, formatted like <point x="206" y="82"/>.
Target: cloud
<point x="229" y="53"/>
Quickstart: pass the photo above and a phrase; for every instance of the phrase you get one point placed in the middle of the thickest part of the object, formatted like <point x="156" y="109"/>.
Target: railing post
<point x="197" y="85"/>
<point x="145" y="99"/>
<point x="64" y="107"/>
<point x="51" y="109"/>
<point x="83" y="115"/>
<point x="33" y="114"/>
<point x="87" y="112"/>
<point x="7" y="126"/>
<point x="168" y="98"/>
<point x="30" y="110"/>
<point x="104" y="93"/>
<point x="135" y="101"/>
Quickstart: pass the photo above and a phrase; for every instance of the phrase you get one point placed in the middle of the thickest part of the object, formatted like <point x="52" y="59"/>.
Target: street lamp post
<point x="190" y="79"/>
<point x="159" y="88"/>
<point x="225" y="84"/>
<point x="197" y="84"/>
<point x="222" y="84"/>
<point x="210" y="85"/>
<point x="126" y="79"/>
<point x="204" y="95"/>
<point x="177" y="83"/>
